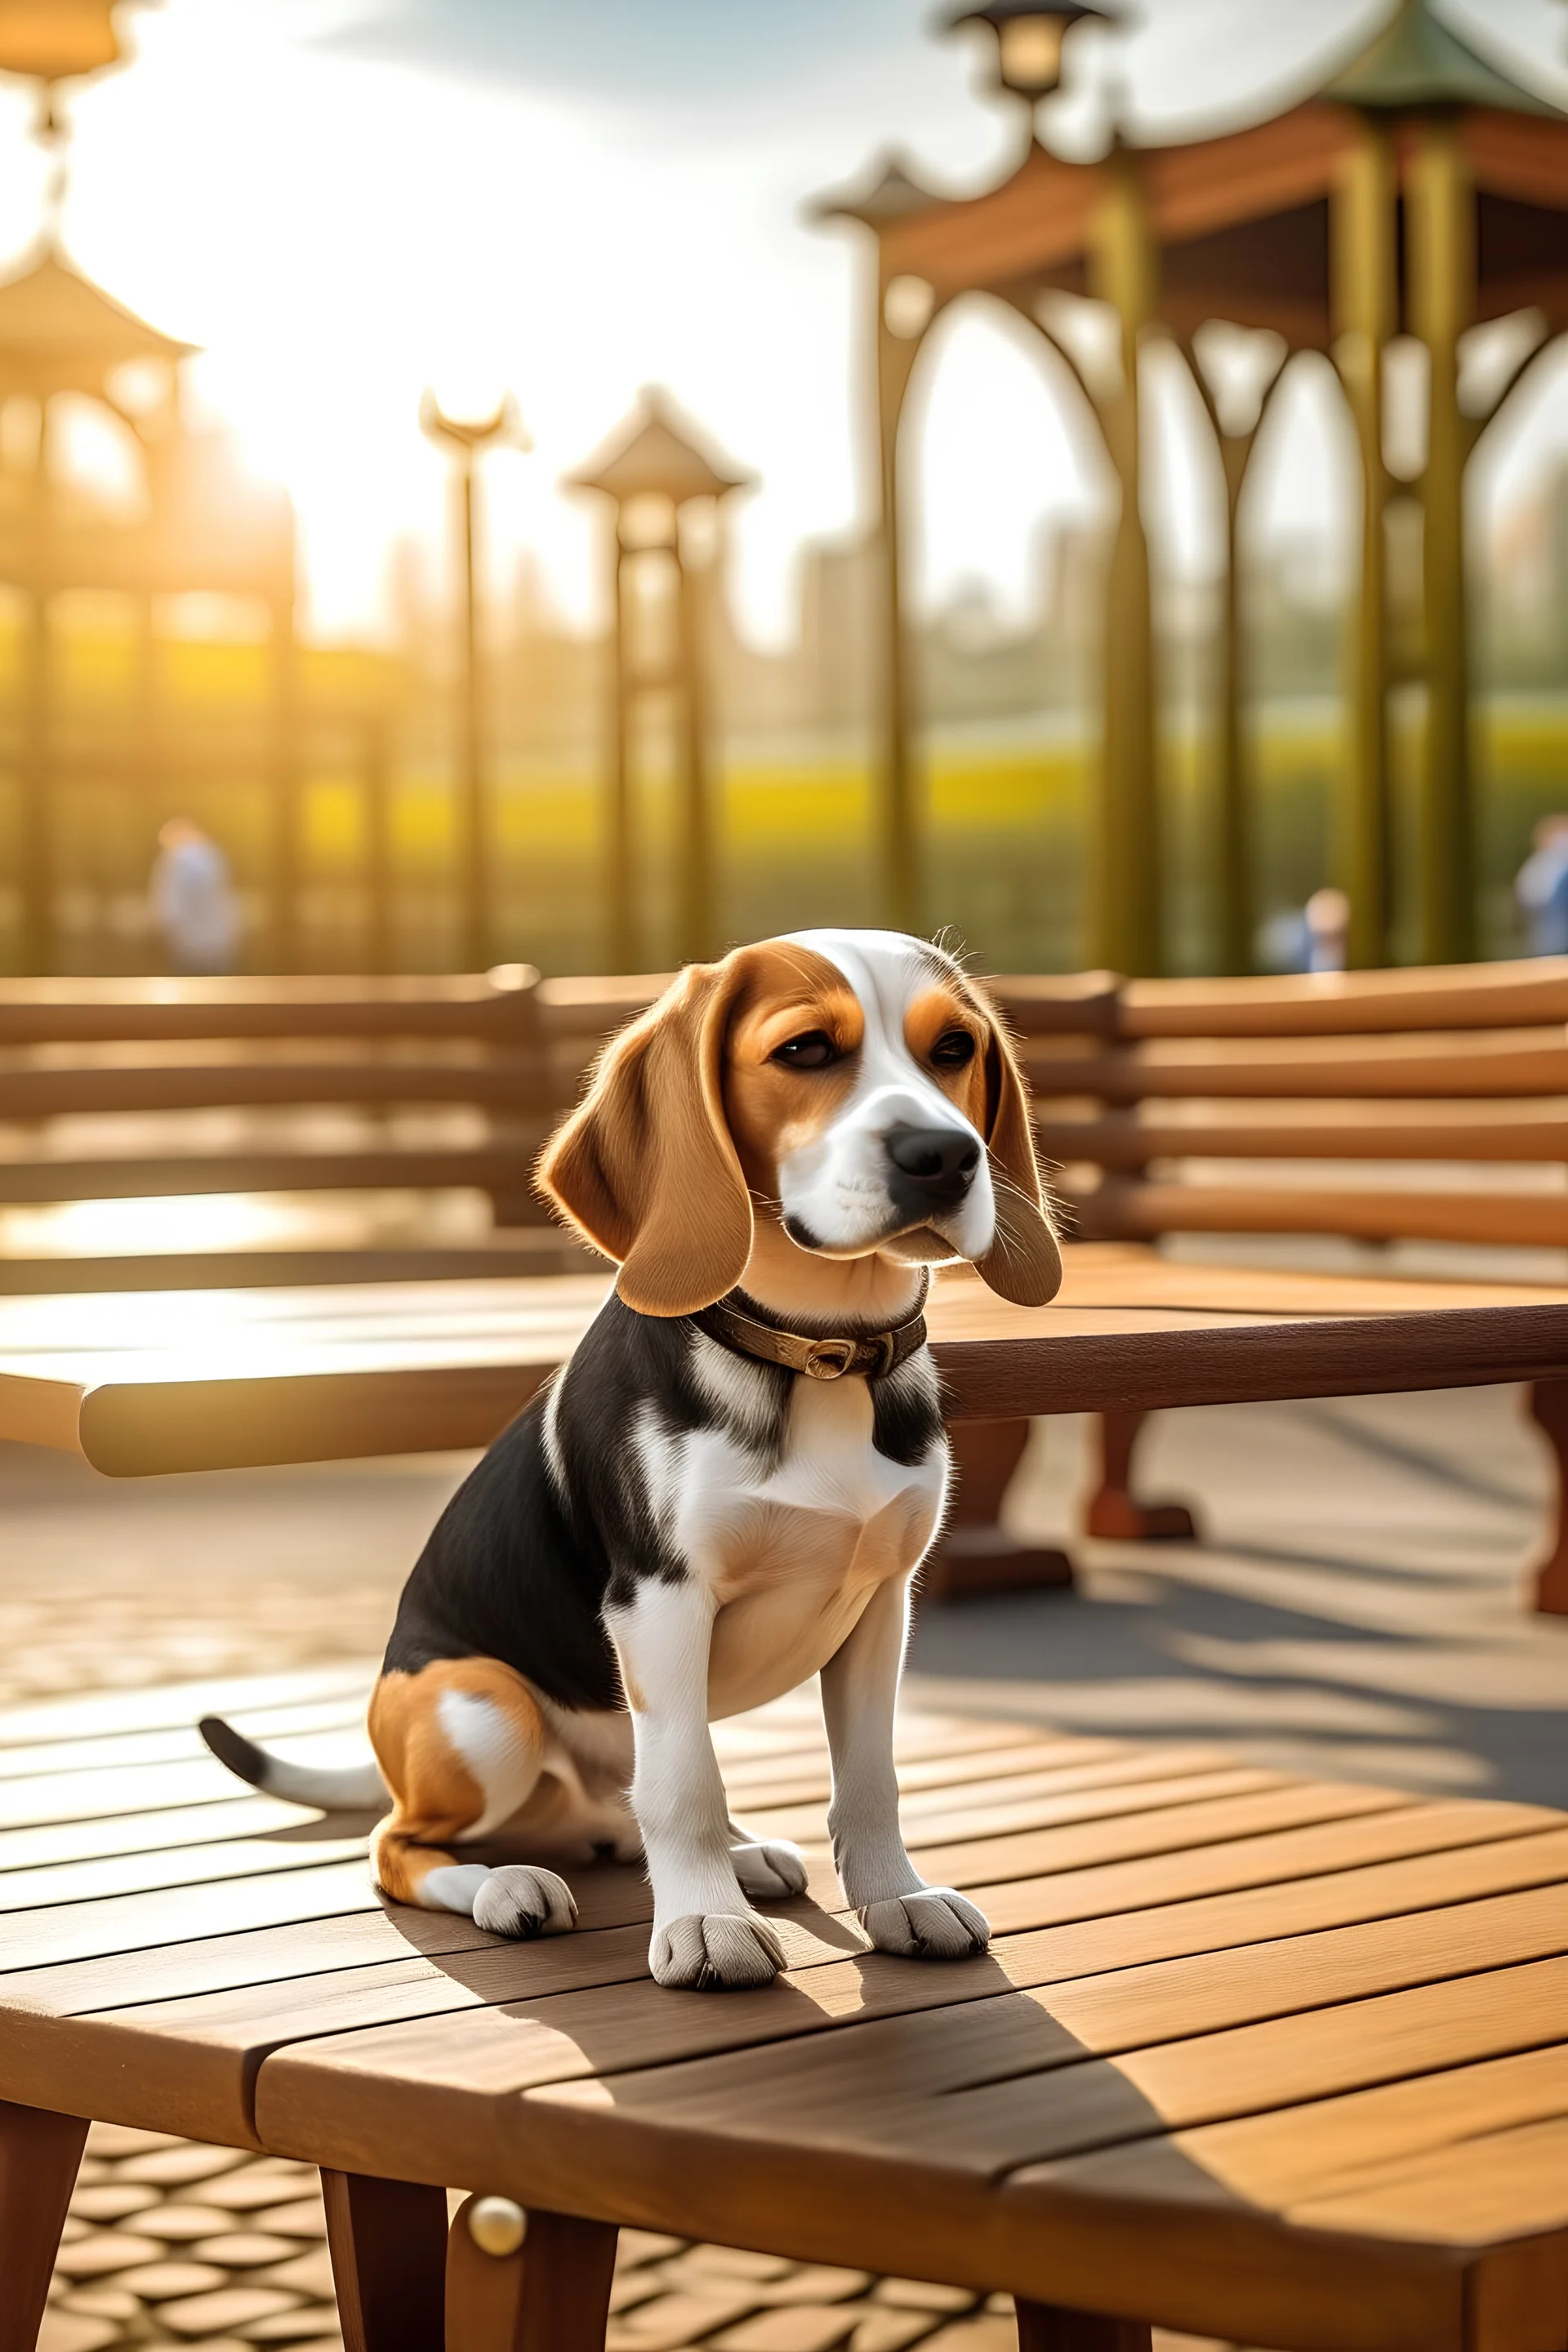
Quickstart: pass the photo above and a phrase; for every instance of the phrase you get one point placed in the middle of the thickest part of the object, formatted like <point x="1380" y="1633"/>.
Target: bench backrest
<point x="1428" y="1104"/>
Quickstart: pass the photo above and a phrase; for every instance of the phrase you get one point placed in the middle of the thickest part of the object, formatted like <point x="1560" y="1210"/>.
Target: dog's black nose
<point x="937" y="1164"/>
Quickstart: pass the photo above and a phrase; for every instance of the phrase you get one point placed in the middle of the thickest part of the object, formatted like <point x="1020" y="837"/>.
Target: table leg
<point x="1114" y="1509"/>
<point x="1048" y="2327"/>
<point x="388" y="2241"/>
<point x="1548" y="1402"/>
<point x="973" y="1554"/>
<point x="39" y="2154"/>
<point x="548" y="2294"/>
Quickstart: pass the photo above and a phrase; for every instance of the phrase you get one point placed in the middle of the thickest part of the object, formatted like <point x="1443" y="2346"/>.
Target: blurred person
<point x="194" y="899"/>
<point x="1540" y="888"/>
<point x="1328" y="922"/>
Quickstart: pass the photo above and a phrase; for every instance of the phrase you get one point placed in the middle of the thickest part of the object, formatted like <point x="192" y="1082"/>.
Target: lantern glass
<point x="53" y="39"/>
<point x="1030" y="53"/>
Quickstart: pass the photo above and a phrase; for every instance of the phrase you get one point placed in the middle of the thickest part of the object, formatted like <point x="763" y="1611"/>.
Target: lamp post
<point x="1030" y="39"/>
<point x="466" y="439"/>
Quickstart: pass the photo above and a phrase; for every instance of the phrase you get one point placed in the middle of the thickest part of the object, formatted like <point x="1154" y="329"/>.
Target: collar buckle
<point x="829" y="1360"/>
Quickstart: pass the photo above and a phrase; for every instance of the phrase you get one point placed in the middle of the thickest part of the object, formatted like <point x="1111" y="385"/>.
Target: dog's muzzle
<point x="933" y="1168"/>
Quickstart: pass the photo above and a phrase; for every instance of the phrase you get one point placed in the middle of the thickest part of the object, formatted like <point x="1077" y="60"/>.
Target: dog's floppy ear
<point x="1025" y="1261"/>
<point x="644" y="1167"/>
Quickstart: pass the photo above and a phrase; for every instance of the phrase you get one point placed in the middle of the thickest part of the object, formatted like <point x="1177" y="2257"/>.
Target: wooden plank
<point x="1469" y="1064"/>
<point x="495" y="1166"/>
<point x="1139" y="1210"/>
<point x="1343" y="1005"/>
<point x="583" y="2005"/>
<point x="459" y="1004"/>
<point x="46" y="1845"/>
<point x="520" y="1250"/>
<point x="175" y="1706"/>
<point x="1288" y="2154"/>
<point x="1530" y="1130"/>
<point x="519" y="1082"/>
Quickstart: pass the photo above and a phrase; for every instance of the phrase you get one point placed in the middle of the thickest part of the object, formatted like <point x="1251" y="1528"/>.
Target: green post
<point x="1128" y="929"/>
<point x="696" y="880"/>
<point x="1363" y="304"/>
<point x="897" y="826"/>
<point x="1232" y="809"/>
<point x="1440" y="227"/>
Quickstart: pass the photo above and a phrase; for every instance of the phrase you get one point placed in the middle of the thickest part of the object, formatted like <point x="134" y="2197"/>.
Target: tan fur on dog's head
<point x="687" y="1117"/>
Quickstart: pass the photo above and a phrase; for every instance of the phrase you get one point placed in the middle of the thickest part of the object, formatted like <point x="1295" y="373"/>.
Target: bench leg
<point x="388" y="2241"/>
<point x="1114" y="1509"/>
<point x="549" y="2294"/>
<point x="39" y="2154"/>
<point x="1548" y="1403"/>
<point x="1047" y="2328"/>
<point x="973" y="1555"/>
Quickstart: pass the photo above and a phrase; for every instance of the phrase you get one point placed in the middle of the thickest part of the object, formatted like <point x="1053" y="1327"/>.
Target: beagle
<point x="729" y="1486"/>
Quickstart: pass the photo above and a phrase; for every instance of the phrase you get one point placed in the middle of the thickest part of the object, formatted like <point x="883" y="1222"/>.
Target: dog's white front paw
<point x="520" y="1900"/>
<point x="933" y="1925"/>
<point x="716" y="1951"/>
<point x="770" y="1868"/>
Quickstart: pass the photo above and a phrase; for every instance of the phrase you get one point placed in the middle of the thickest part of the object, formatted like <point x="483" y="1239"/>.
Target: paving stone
<point x="703" y="2262"/>
<point x="102" y="2252"/>
<point x="879" y="2328"/>
<point x="68" y="2331"/>
<point x="232" y="2311"/>
<point x="162" y="2282"/>
<point x="111" y="2200"/>
<point x="672" y="2321"/>
<point x="629" y="2287"/>
<point x="309" y="2274"/>
<point x="988" y="2331"/>
<point x="73" y="2227"/>
<point x="921" y="2294"/>
<point x="645" y="2246"/>
<point x="177" y="2166"/>
<point x="244" y="2250"/>
<point x="179" y="2224"/>
<point x="114" y="2140"/>
<point x="243" y="2192"/>
<point x="815" y="2283"/>
<point x="115" y="2302"/>
<point x="800" y="2327"/>
<point x="307" y="2320"/>
<point x="303" y="2219"/>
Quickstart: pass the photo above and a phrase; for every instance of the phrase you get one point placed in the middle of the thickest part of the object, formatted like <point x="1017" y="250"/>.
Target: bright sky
<point x="345" y="200"/>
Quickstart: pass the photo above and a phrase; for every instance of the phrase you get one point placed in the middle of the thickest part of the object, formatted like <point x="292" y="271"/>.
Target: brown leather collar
<point x="873" y="1354"/>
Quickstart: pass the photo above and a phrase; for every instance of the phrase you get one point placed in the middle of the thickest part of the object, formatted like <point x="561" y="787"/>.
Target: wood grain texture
<point x="40" y="2153"/>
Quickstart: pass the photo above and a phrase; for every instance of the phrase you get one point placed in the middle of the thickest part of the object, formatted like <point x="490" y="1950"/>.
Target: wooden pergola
<point x="1419" y="191"/>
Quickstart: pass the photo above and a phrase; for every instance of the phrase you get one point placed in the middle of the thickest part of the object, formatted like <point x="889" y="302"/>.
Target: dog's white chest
<point x="792" y="1555"/>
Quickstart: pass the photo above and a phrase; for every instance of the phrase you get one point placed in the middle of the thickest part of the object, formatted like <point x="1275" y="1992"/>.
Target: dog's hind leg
<point x="767" y="1868"/>
<point x="461" y="1745"/>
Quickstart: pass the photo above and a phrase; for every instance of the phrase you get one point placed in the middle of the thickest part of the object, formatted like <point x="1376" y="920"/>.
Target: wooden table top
<point x="163" y="1381"/>
<point x="1279" y="2062"/>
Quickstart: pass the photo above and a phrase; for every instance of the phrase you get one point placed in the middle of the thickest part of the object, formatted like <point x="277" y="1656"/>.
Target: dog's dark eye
<point x="952" y="1049"/>
<point x="812" y="1052"/>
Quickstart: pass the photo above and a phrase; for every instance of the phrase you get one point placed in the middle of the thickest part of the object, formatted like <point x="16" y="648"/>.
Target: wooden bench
<point x="1143" y="1090"/>
<point x="1278" y="2061"/>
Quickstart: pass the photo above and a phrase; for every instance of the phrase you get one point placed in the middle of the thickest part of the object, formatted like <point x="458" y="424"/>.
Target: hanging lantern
<point x="54" y="40"/>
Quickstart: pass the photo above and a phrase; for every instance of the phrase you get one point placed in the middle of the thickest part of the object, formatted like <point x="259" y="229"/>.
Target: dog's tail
<point x="354" y="1786"/>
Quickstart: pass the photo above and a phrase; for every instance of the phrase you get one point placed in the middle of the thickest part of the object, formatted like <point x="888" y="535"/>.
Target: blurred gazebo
<point x="199" y="526"/>
<point x="1419" y="190"/>
<point x="659" y="478"/>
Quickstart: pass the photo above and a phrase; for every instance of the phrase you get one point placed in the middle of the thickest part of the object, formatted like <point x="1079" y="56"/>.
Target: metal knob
<point x="496" y="2225"/>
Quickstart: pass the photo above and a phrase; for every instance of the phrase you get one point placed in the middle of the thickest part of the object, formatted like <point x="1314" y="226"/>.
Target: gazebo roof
<point x="657" y="453"/>
<point x="1241" y="218"/>
<point x="890" y="192"/>
<point x="1417" y="60"/>
<point x="62" y="333"/>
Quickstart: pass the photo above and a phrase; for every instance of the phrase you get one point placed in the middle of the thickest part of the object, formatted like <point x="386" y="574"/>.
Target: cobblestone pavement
<point x="1356" y="1609"/>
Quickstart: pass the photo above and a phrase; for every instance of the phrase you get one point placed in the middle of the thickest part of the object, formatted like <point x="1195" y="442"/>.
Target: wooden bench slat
<point x="1503" y="1130"/>
<point x="1294" y="2152"/>
<point x="390" y="1167"/>
<point x="1344" y="1003"/>
<point x="1517" y="1220"/>
<point x="520" y="1083"/>
<point x="1465" y="1064"/>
